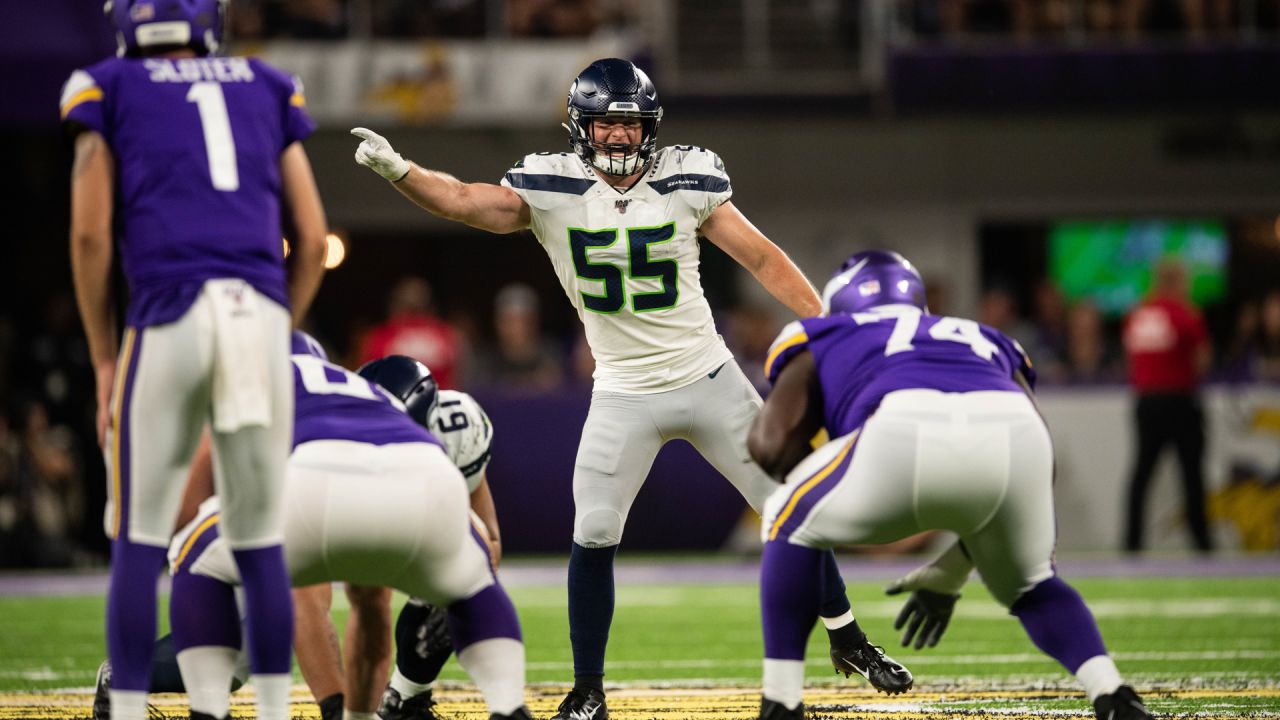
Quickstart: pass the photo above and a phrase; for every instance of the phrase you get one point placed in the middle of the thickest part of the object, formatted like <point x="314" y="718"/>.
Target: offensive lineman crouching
<point x="357" y="457"/>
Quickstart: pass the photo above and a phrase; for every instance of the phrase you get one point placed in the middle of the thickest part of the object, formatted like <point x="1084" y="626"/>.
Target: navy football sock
<point x="1059" y="623"/>
<point x="165" y="675"/>
<point x="590" y="609"/>
<point x="834" y="601"/>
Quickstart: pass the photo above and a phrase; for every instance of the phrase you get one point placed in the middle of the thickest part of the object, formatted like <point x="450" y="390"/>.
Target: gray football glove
<point x="925" y="614"/>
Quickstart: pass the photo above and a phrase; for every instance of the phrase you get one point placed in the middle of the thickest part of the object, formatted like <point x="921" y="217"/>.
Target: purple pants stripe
<point x="122" y="434"/>
<point x="196" y="544"/>
<point x="809" y="492"/>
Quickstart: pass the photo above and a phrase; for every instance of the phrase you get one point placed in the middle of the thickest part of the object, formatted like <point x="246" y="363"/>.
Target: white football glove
<point x="377" y="154"/>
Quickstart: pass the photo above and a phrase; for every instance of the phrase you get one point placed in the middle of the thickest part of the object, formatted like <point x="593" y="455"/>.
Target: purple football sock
<point x="1059" y="623"/>
<point x="131" y="612"/>
<point x="268" y="609"/>
<point x="203" y="612"/>
<point x="486" y="615"/>
<point x="791" y="582"/>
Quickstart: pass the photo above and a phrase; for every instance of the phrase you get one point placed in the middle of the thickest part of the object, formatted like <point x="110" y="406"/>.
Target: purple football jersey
<point x="861" y="358"/>
<point x="197" y="145"/>
<point x="331" y="403"/>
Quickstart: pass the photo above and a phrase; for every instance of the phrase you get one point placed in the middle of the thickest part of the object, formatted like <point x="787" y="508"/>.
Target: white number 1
<point x="218" y="143"/>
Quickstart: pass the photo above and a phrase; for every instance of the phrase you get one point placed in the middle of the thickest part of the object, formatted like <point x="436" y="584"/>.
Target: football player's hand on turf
<point x="377" y="154"/>
<point x="926" y="613"/>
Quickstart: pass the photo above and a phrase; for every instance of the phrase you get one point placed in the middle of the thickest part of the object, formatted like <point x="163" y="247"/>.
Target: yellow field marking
<point x="644" y="703"/>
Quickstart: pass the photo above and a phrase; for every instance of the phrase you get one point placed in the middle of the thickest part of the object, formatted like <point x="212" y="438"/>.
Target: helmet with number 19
<point x="408" y="380"/>
<point x="871" y="278"/>
<point x="145" y="25"/>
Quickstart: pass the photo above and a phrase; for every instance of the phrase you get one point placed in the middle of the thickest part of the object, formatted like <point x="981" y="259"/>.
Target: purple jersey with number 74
<point x="197" y="143"/>
<point x="862" y="357"/>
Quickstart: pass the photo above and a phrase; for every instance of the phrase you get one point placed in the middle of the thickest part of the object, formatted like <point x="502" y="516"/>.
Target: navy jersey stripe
<point x="701" y="183"/>
<point x="550" y="183"/>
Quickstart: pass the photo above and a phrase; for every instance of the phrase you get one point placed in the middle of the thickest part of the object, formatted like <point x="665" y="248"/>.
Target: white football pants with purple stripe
<point x="979" y="464"/>
<point x="229" y="351"/>
<point x="396" y="515"/>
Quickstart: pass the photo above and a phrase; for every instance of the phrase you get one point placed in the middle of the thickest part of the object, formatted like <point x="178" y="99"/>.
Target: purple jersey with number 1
<point x="197" y="145"/>
<point x="332" y="403"/>
<point x="860" y="358"/>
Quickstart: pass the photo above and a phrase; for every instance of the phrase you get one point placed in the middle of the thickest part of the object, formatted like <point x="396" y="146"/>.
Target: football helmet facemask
<point x="613" y="88"/>
<point x="143" y="25"/>
<point x="871" y="278"/>
<point x="408" y="380"/>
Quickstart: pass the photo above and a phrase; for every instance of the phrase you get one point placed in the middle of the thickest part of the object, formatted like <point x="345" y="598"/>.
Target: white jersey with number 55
<point x="629" y="261"/>
<point x="462" y="426"/>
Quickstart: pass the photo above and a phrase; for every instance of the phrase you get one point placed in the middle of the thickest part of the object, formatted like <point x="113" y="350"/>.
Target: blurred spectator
<point x="998" y="308"/>
<point x="1089" y="356"/>
<point x="413" y="329"/>
<point x="552" y="18"/>
<point x="430" y="18"/>
<point x="522" y="356"/>
<point x="313" y="19"/>
<point x="246" y="20"/>
<point x="751" y="329"/>
<point x="1255" y="350"/>
<point x="937" y="294"/>
<point x="41" y="503"/>
<point x="1168" y="350"/>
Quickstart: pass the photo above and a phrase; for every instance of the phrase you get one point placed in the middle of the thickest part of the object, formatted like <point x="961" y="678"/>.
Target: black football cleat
<point x="418" y="707"/>
<point x="585" y="704"/>
<point x="883" y="672"/>
<point x="520" y="713"/>
<point x="102" y="692"/>
<point x="772" y="710"/>
<point x="1123" y="704"/>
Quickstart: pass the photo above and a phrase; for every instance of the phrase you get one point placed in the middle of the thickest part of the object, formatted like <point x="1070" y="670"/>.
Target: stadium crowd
<point x="50" y="477"/>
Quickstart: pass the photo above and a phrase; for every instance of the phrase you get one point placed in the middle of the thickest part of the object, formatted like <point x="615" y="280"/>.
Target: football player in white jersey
<point x="620" y="220"/>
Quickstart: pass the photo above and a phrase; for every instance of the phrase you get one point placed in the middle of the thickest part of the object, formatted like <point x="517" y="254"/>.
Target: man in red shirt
<point x="1168" y="351"/>
<point x="411" y="329"/>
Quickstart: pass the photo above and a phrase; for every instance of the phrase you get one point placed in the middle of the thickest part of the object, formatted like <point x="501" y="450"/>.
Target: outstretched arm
<point x="730" y="230"/>
<point x="481" y="205"/>
<point x="779" y="437"/>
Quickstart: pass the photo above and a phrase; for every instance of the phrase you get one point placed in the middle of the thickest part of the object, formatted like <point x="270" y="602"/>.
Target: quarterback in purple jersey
<point x="190" y="168"/>
<point x="934" y="427"/>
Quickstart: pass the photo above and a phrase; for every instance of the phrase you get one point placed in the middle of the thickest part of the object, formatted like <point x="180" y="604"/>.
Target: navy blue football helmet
<point x="301" y="343"/>
<point x="408" y="380"/>
<point x="144" y="24"/>
<point x="871" y="278"/>
<point x="613" y="88"/>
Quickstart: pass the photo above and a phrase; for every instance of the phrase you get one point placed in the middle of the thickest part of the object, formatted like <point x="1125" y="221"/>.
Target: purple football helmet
<point x="142" y="24"/>
<point x="301" y="343"/>
<point x="871" y="278"/>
